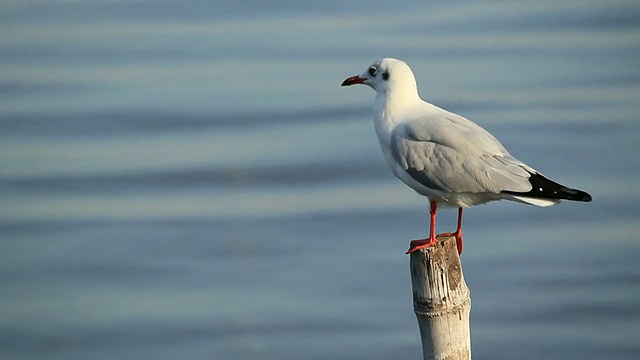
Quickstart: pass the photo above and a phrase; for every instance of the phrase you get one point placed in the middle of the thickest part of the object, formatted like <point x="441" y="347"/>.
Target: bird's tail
<point x="545" y="192"/>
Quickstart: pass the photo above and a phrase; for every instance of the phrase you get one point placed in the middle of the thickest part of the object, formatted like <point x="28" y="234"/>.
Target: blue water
<point x="187" y="180"/>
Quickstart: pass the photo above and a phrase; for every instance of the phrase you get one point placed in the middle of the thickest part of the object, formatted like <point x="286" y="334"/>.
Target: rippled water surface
<point x="187" y="180"/>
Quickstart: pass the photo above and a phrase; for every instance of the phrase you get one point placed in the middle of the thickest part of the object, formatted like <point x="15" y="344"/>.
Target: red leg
<point x="431" y="241"/>
<point x="458" y="233"/>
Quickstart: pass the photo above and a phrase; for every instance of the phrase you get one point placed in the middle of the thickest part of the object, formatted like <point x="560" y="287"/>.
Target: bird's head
<point x="386" y="75"/>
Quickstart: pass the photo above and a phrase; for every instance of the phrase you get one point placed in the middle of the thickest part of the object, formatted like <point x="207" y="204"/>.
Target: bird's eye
<point x="373" y="71"/>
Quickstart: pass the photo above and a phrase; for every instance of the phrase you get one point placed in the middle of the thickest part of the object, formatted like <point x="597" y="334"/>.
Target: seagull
<point x="447" y="158"/>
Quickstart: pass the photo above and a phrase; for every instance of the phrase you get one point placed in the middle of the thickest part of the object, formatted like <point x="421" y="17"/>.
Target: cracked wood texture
<point x="441" y="301"/>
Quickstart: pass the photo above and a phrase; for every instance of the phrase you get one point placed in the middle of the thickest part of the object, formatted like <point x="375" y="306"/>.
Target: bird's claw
<point x="415" y="245"/>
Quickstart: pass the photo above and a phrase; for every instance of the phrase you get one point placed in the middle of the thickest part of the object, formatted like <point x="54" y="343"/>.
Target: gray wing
<point x="452" y="154"/>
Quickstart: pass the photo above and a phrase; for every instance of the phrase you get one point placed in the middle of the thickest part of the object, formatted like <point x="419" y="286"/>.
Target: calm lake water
<point x="188" y="180"/>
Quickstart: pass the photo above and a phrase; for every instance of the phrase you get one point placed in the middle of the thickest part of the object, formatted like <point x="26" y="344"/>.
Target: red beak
<point x="355" y="79"/>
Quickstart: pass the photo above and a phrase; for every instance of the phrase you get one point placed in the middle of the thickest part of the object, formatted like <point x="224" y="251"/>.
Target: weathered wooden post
<point x="441" y="301"/>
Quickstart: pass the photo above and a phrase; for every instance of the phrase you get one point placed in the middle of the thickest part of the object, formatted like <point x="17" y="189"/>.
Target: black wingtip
<point x="576" y="195"/>
<point x="543" y="188"/>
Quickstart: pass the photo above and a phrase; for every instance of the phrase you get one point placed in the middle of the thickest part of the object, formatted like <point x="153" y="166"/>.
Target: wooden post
<point x="441" y="301"/>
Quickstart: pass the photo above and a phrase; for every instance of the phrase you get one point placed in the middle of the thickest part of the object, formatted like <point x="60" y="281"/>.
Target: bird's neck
<point x="392" y="106"/>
